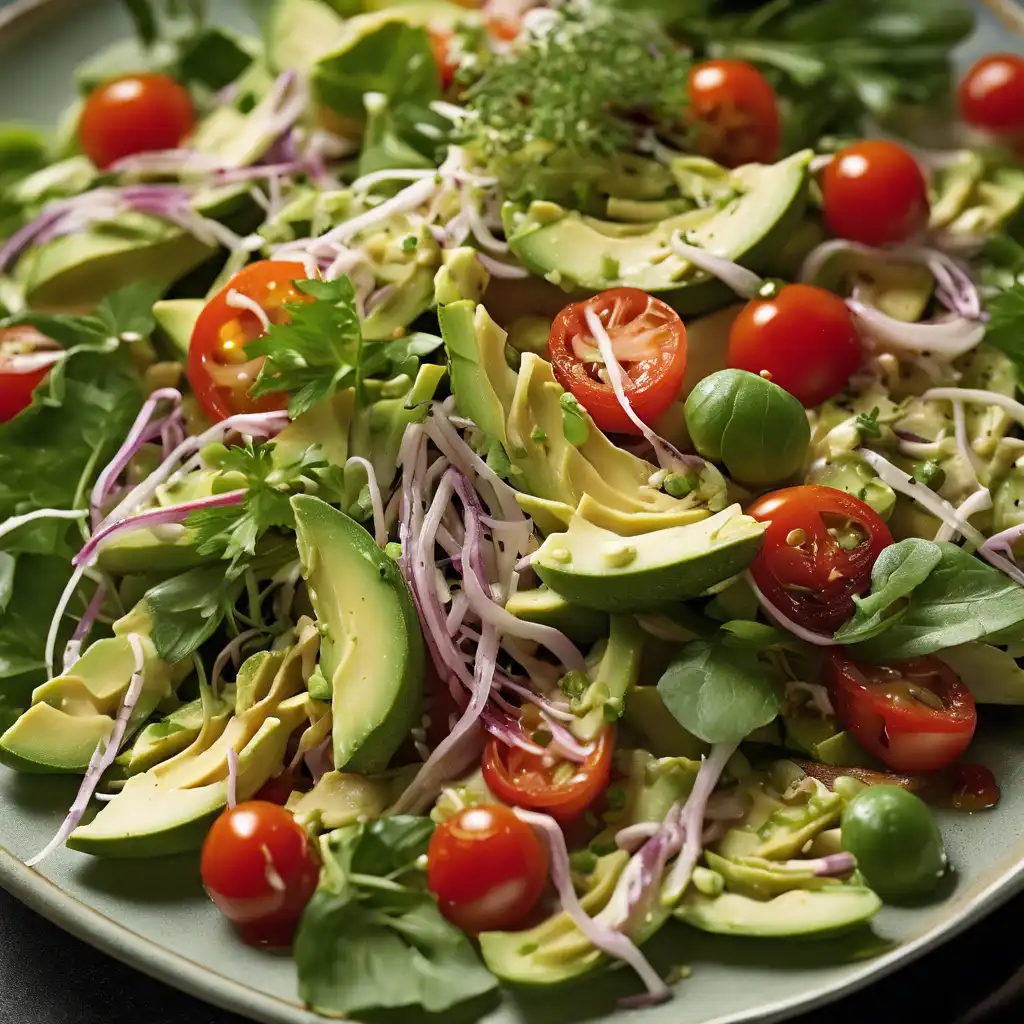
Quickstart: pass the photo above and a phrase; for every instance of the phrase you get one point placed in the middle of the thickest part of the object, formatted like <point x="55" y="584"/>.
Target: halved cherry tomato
<point x="914" y="716"/>
<point x="819" y="549"/>
<point x="441" y="45"/>
<point x="649" y="340"/>
<point x="875" y="193"/>
<point x="259" y="868"/>
<point x="486" y="868"/>
<point x="803" y="336"/>
<point x="134" y="114"/>
<point x="219" y="370"/>
<point x="560" y="788"/>
<point x="992" y="94"/>
<point x="973" y="787"/>
<point x="16" y="387"/>
<point x="736" y="111"/>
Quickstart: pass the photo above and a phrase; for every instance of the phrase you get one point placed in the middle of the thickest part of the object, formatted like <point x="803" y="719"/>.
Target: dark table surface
<point x="47" y="977"/>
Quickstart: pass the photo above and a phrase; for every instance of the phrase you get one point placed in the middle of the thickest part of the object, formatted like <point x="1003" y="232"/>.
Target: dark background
<point x="47" y="977"/>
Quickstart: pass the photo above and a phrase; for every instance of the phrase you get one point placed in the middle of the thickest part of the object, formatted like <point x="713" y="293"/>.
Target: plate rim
<point x="87" y="924"/>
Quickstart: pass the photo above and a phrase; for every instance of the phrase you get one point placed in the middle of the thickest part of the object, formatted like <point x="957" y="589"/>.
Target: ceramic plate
<point x="154" y="915"/>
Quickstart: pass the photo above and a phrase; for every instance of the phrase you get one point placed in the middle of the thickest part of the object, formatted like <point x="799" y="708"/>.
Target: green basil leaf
<point x="899" y="569"/>
<point x="719" y="692"/>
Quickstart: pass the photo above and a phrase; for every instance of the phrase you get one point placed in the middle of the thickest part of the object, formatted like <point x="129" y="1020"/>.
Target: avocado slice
<point x="580" y="253"/>
<point x="177" y="319"/>
<point x="372" y="650"/>
<point x="340" y="799"/>
<point x="798" y="912"/>
<point x="523" y="413"/>
<point x="761" y="879"/>
<point x="300" y="32"/>
<point x="599" y="569"/>
<point x="544" y="606"/>
<point x="72" y="713"/>
<point x="663" y="736"/>
<point x="169" y="808"/>
<point x="616" y="674"/>
<point x="555" y="950"/>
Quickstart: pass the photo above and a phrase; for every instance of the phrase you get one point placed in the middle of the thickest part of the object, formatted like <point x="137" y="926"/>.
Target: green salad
<point x="497" y="480"/>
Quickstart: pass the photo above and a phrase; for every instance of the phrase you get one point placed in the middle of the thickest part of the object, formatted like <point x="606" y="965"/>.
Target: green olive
<point x="758" y="431"/>
<point x="896" y="841"/>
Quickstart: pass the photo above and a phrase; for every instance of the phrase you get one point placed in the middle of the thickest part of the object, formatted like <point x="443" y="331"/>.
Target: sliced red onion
<point x="409" y="199"/>
<point x="977" y="396"/>
<point x="781" y="619"/>
<point x="1003" y="541"/>
<point x="502" y="270"/>
<point x="979" y="501"/>
<point x="692" y="819"/>
<point x="550" y="708"/>
<point x="135" y="439"/>
<point x="16" y="522"/>
<point x="632" y="837"/>
<point x="457" y="614"/>
<point x="159" y="516"/>
<point x="232" y="778"/>
<point x="102" y="758"/>
<point x="564" y="743"/>
<point x="73" y="650"/>
<point x="368" y="182"/>
<point x="479" y="229"/>
<point x="609" y="941"/>
<point x="62" y="606"/>
<point x="230" y="652"/>
<point x="166" y="161"/>
<point x="380" y="531"/>
<point x="949" y="338"/>
<point x="743" y="282"/>
<point x="320" y="760"/>
<point x="507" y="729"/>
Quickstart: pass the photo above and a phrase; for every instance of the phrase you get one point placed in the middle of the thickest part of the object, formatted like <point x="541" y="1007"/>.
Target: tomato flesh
<point x="219" y="370"/>
<point x="441" y="46"/>
<point x="545" y="783"/>
<point x="819" y="549"/>
<point x="259" y="868"/>
<point x="134" y="114"/>
<point x="973" y="787"/>
<point x="649" y="340"/>
<point x="16" y="387"/>
<point x="991" y="96"/>
<point x="914" y="716"/>
<point x="486" y="868"/>
<point x="875" y="193"/>
<point x="736" y="113"/>
<point x="803" y="338"/>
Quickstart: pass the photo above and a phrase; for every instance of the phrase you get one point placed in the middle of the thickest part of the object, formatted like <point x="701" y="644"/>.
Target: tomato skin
<point x="258" y="866"/>
<point x="904" y="733"/>
<point x="875" y="193"/>
<point x="486" y="868"/>
<point x="800" y="579"/>
<point x="991" y="95"/>
<point x="16" y="388"/>
<point x="222" y="331"/>
<point x="441" y="45"/>
<point x="803" y="336"/>
<point x="134" y="114"/>
<point x="522" y="779"/>
<point x="736" y="112"/>
<point x="652" y="383"/>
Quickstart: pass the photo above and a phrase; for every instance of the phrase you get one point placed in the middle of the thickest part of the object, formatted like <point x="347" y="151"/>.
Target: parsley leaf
<point x="317" y="352"/>
<point x="1005" y="330"/>
<point x="234" y="531"/>
<point x="867" y="423"/>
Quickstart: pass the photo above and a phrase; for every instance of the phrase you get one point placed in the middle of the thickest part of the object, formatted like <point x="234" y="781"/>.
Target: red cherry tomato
<point x="804" y="337"/>
<point x="16" y="387"/>
<point x="973" y="787"/>
<point x="559" y="788"/>
<point x="649" y="340"/>
<point x="819" y="549"/>
<point x="736" y="111"/>
<point x="992" y="94"/>
<point x="447" y="65"/>
<point x="259" y="868"/>
<point x="219" y="370"/>
<point x="914" y="716"/>
<point x="486" y="868"/>
<point x="875" y="193"/>
<point x="134" y="114"/>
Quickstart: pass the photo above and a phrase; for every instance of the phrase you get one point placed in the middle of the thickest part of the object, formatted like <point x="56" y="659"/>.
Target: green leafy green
<point x="719" y="690"/>
<point x="898" y="570"/>
<point x="394" y="138"/>
<point x="234" y="531"/>
<point x="1005" y="329"/>
<point x="23" y="150"/>
<point x="317" y="352"/>
<point x="373" y="937"/>
<point x="867" y="423"/>
<point x="962" y="599"/>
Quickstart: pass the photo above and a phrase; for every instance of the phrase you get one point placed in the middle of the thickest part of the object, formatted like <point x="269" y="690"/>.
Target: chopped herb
<point x="678" y="485"/>
<point x="409" y="243"/>
<point x="867" y="423"/>
<point x="930" y="473"/>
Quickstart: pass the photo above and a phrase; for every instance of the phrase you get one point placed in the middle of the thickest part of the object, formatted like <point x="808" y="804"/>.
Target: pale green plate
<point x="154" y="915"/>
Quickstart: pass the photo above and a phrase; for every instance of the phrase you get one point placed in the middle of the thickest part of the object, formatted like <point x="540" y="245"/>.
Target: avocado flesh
<point x="578" y="254"/>
<point x="596" y="568"/>
<point x="615" y="676"/>
<point x="372" y="650"/>
<point x="300" y="32"/>
<point x="72" y="713"/>
<point x="555" y="950"/>
<point x="177" y="319"/>
<point x="169" y="808"/>
<point x="662" y="735"/>
<point x="545" y="607"/>
<point x="790" y="914"/>
<point x="522" y="412"/>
